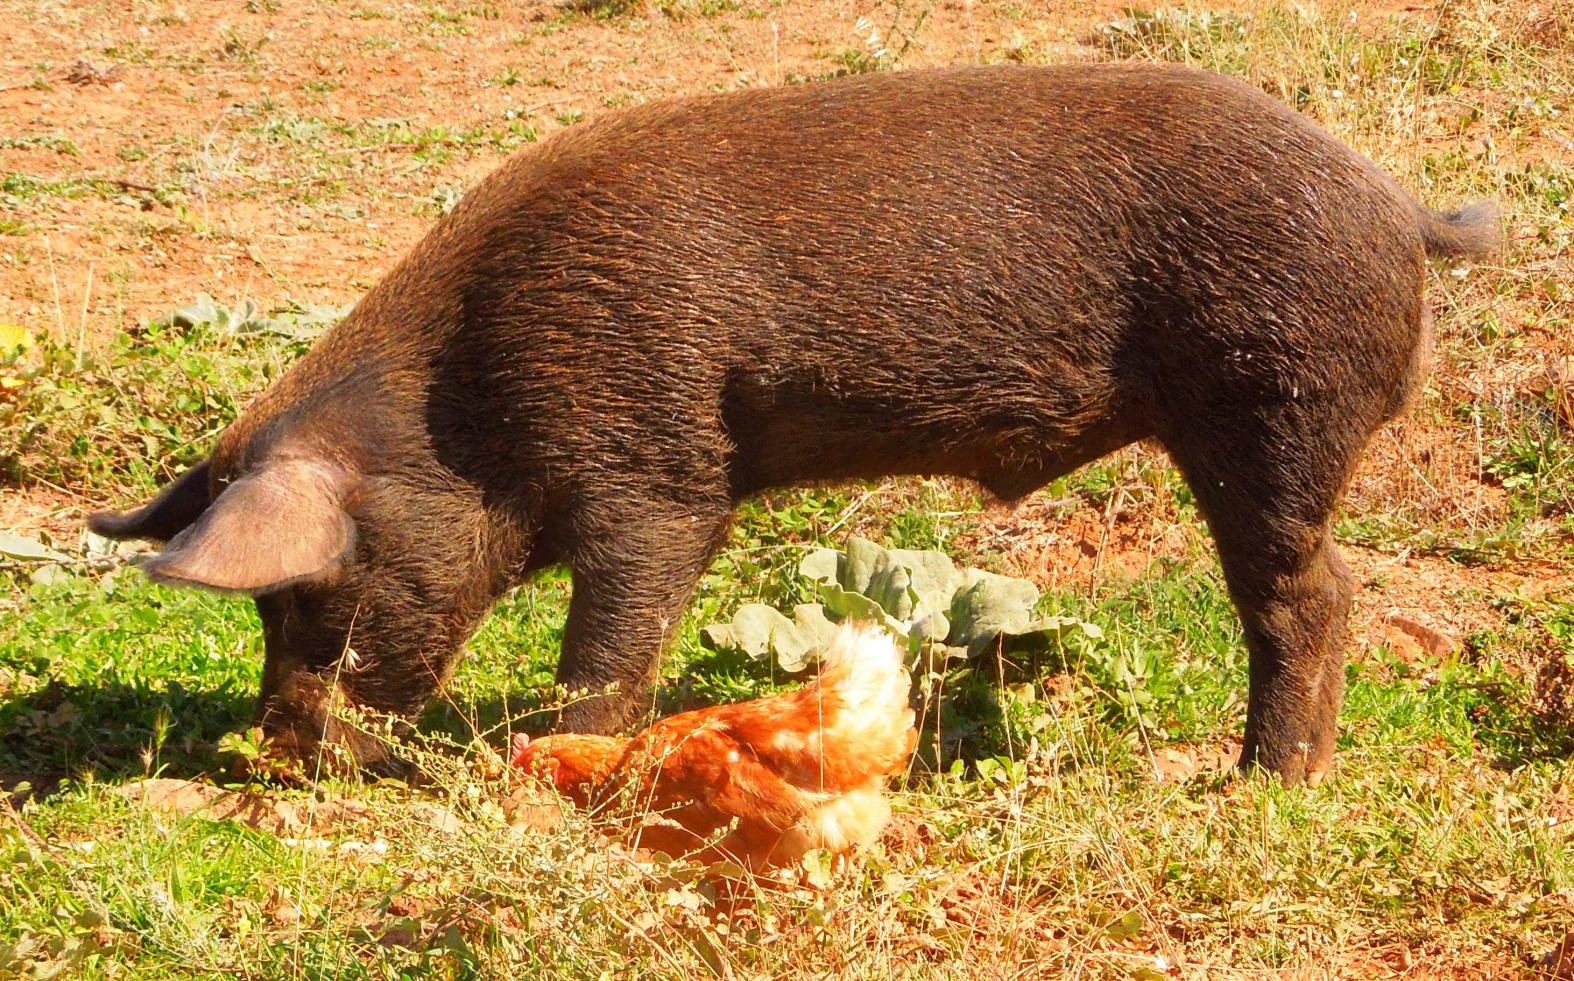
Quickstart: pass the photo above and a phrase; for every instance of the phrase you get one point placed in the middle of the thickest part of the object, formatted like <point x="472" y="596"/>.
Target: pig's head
<point x="369" y="569"/>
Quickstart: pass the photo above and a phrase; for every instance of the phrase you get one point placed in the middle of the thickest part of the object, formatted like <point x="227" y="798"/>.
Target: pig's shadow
<point x="114" y="731"/>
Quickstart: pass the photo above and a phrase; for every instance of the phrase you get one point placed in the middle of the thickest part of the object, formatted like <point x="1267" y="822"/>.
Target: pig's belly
<point x="1012" y="446"/>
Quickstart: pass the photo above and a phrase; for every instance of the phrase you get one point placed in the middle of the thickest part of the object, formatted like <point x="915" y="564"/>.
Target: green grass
<point x="1434" y="830"/>
<point x="144" y="406"/>
<point x="1038" y="836"/>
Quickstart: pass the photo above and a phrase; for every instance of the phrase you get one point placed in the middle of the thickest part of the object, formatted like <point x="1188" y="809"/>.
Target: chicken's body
<point x="797" y="771"/>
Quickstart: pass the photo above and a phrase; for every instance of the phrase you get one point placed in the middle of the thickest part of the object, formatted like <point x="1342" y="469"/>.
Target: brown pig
<point x="998" y="273"/>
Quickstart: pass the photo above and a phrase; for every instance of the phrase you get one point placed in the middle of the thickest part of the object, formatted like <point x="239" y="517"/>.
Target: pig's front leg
<point x="635" y="570"/>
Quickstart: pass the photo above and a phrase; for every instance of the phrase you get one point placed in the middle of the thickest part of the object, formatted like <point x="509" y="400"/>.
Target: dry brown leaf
<point x="1176" y="763"/>
<point x="439" y="819"/>
<point x="1558" y="965"/>
<point x="1433" y="641"/>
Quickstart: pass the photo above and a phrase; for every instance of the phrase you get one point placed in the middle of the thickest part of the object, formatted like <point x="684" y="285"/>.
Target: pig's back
<point x="1040" y="202"/>
<point x="907" y="259"/>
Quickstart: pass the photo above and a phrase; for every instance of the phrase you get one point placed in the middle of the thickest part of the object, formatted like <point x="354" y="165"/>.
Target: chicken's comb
<point x="517" y="747"/>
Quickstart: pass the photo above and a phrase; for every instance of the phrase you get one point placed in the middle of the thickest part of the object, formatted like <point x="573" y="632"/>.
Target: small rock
<point x="1400" y="644"/>
<point x="84" y="72"/>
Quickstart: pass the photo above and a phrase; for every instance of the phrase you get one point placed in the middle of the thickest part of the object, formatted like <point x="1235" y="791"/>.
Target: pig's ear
<point x="167" y="515"/>
<point x="282" y="524"/>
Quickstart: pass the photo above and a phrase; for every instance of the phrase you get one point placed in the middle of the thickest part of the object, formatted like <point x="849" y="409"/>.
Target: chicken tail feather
<point x="868" y="723"/>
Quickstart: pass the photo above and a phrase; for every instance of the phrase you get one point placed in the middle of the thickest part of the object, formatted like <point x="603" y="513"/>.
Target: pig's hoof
<point x="1299" y="766"/>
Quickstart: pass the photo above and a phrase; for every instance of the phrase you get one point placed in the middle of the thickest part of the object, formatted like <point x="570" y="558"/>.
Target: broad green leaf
<point x="873" y="572"/>
<point x="845" y="603"/>
<point x="19" y="547"/>
<point x="14" y="338"/>
<point x="305" y="321"/>
<point x="933" y="578"/>
<point x="753" y="630"/>
<point x="49" y="574"/>
<point x="1126" y="927"/>
<point x="761" y="632"/>
<point x="943" y="611"/>
<point x="812" y="623"/>
<point x="822" y="564"/>
<point x="201" y="311"/>
<point x="298" y="322"/>
<point x="988" y="606"/>
<point x="908" y="585"/>
<point x="930" y="628"/>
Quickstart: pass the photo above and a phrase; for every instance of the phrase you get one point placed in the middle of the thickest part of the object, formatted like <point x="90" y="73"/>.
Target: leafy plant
<point x="922" y="596"/>
<point x="1533" y="462"/>
<point x="600" y="9"/>
<point x="14" y="546"/>
<point x="301" y="322"/>
<point x="1170" y="34"/>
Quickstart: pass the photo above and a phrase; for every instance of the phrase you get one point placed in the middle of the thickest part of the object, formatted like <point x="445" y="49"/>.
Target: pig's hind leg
<point x="1268" y="478"/>
<point x="636" y="564"/>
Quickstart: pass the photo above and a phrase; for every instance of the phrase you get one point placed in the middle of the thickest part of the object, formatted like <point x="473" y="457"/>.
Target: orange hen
<point x="786" y="774"/>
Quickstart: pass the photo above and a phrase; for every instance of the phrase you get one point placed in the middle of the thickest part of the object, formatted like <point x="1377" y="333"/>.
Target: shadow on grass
<point x="114" y="732"/>
<point x="120" y="731"/>
<point x="1519" y="733"/>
